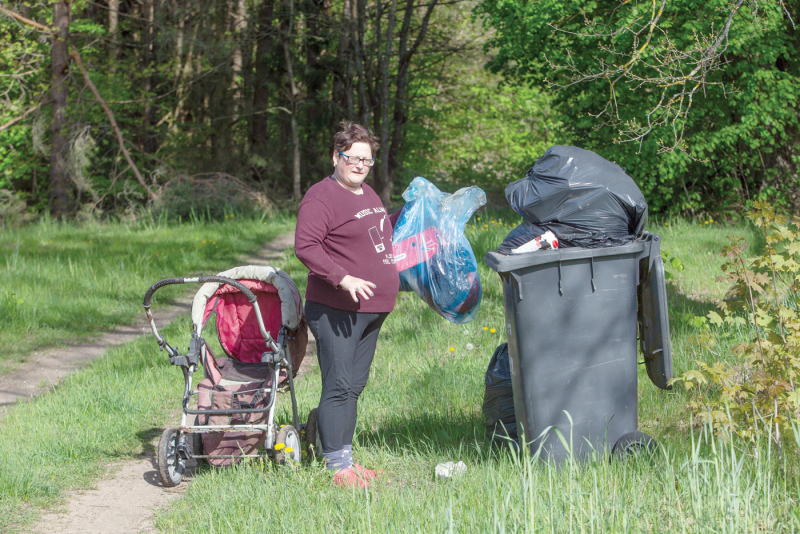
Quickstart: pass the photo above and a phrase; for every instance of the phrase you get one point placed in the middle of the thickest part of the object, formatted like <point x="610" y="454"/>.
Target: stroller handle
<point x="173" y="352"/>
<point x="201" y="279"/>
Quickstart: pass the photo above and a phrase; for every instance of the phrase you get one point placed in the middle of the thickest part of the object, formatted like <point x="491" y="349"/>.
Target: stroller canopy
<point x="277" y="298"/>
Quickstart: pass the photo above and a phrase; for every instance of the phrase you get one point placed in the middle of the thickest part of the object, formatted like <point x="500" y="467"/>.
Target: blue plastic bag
<point x="431" y="253"/>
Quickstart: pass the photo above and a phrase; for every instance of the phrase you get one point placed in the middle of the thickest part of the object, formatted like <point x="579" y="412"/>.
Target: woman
<point x="344" y="237"/>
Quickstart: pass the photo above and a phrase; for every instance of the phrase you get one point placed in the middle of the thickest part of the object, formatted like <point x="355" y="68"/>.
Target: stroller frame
<point x="178" y="448"/>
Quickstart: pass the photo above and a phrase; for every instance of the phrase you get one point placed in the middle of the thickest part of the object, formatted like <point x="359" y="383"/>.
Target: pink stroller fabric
<point x="237" y="325"/>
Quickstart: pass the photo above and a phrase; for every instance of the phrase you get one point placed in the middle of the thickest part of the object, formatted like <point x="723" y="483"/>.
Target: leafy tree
<point x="477" y="130"/>
<point x="699" y="100"/>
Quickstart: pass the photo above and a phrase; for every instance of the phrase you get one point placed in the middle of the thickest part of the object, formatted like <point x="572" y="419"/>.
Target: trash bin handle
<point x="560" y="291"/>
<point x="518" y="279"/>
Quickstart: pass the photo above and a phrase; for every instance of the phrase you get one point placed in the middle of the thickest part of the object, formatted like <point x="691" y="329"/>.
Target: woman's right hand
<point x="357" y="286"/>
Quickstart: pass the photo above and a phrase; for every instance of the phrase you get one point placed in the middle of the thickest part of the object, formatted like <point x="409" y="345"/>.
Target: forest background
<point x="229" y="105"/>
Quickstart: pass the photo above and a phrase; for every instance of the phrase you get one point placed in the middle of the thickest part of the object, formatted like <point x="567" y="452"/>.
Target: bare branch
<point x="30" y="110"/>
<point x="27" y="21"/>
<point x="77" y="58"/>
<point x="650" y="60"/>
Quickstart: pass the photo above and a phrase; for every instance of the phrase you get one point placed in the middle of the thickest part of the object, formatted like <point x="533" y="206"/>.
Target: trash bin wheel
<point x="634" y="444"/>
<point x="313" y="443"/>
<point x="171" y="464"/>
<point x="288" y="450"/>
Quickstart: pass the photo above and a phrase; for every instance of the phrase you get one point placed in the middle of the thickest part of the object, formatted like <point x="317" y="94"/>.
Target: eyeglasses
<point x="353" y="160"/>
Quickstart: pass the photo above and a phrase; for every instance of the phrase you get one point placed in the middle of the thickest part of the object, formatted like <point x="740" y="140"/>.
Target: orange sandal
<point x="367" y="474"/>
<point x="348" y="478"/>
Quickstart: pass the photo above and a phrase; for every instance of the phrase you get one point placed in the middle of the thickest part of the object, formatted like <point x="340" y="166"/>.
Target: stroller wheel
<point x="313" y="442"/>
<point x="287" y="446"/>
<point x="172" y="453"/>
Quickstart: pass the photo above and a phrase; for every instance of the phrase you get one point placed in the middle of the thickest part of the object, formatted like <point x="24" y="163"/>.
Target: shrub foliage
<point x="759" y="387"/>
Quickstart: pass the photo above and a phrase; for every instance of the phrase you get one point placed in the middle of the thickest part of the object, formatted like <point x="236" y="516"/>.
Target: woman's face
<point x="349" y="175"/>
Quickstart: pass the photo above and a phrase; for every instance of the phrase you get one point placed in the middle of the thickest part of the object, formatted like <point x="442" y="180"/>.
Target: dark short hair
<point x="354" y="133"/>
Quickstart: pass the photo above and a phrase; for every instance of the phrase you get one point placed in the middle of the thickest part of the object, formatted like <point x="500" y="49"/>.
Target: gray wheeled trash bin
<point x="572" y="317"/>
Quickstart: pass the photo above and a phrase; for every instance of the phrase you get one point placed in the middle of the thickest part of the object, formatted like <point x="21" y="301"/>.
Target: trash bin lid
<point x="503" y="263"/>
<point x="654" y="324"/>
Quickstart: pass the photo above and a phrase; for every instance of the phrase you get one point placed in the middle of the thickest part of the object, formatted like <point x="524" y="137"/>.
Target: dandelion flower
<point x="492" y="330"/>
<point x="452" y="349"/>
<point x="485" y="328"/>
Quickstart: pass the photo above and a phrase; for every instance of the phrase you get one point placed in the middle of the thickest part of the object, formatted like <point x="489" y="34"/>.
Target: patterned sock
<point x="348" y="454"/>
<point x="338" y="460"/>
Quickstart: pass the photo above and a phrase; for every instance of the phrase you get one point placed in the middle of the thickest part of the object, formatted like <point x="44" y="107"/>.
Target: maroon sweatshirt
<point x="339" y="233"/>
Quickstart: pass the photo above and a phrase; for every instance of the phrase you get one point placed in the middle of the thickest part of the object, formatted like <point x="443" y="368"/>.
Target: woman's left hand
<point x="357" y="286"/>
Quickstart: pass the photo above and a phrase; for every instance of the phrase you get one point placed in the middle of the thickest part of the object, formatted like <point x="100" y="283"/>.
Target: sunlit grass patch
<point x="66" y="281"/>
<point x="697" y="244"/>
<point x="422" y="407"/>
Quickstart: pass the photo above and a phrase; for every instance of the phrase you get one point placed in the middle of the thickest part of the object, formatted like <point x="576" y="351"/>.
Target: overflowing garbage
<point x="583" y="199"/>
<point x="432" y="255"/>
<point x="573" y="316"/>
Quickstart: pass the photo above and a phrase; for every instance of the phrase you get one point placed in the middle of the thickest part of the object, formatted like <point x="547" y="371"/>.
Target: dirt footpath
<point x="126" y="500"/>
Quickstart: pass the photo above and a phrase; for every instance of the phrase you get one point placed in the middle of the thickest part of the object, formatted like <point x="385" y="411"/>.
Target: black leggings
<point x="345" y="347"/>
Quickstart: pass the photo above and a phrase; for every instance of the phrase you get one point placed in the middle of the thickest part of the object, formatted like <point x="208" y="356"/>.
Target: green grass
<point x="112" y="410"/>
<point x="65" y="282"/>
<point x="421" y="407"/>
<point x="697" y="244"/>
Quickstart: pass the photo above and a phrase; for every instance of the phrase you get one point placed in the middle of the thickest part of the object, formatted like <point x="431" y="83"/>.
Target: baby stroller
<point x="263" y="333"/>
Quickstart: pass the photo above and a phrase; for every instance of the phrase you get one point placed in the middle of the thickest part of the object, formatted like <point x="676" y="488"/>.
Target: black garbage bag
<point x="584" y="199"/>
<point x="498" y="398"/>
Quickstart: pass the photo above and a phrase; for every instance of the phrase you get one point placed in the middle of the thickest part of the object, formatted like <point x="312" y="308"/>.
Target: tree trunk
<point x="113" y="27"/>
<point x="258" y="121"/>
<point x="287" y="51"/>
<point x="60" y="186"/>
<point x="373" y="77"/>
<point x="386" y="184"/>
<point x="150" y="139"/>
<point x="401" y="82"/>
<point x="239" y="31"/>
<point x="316" y="110"/>
<point x="343" y="80"/>
<point x="182" y="72"/>
<point x="359" y="29"/>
